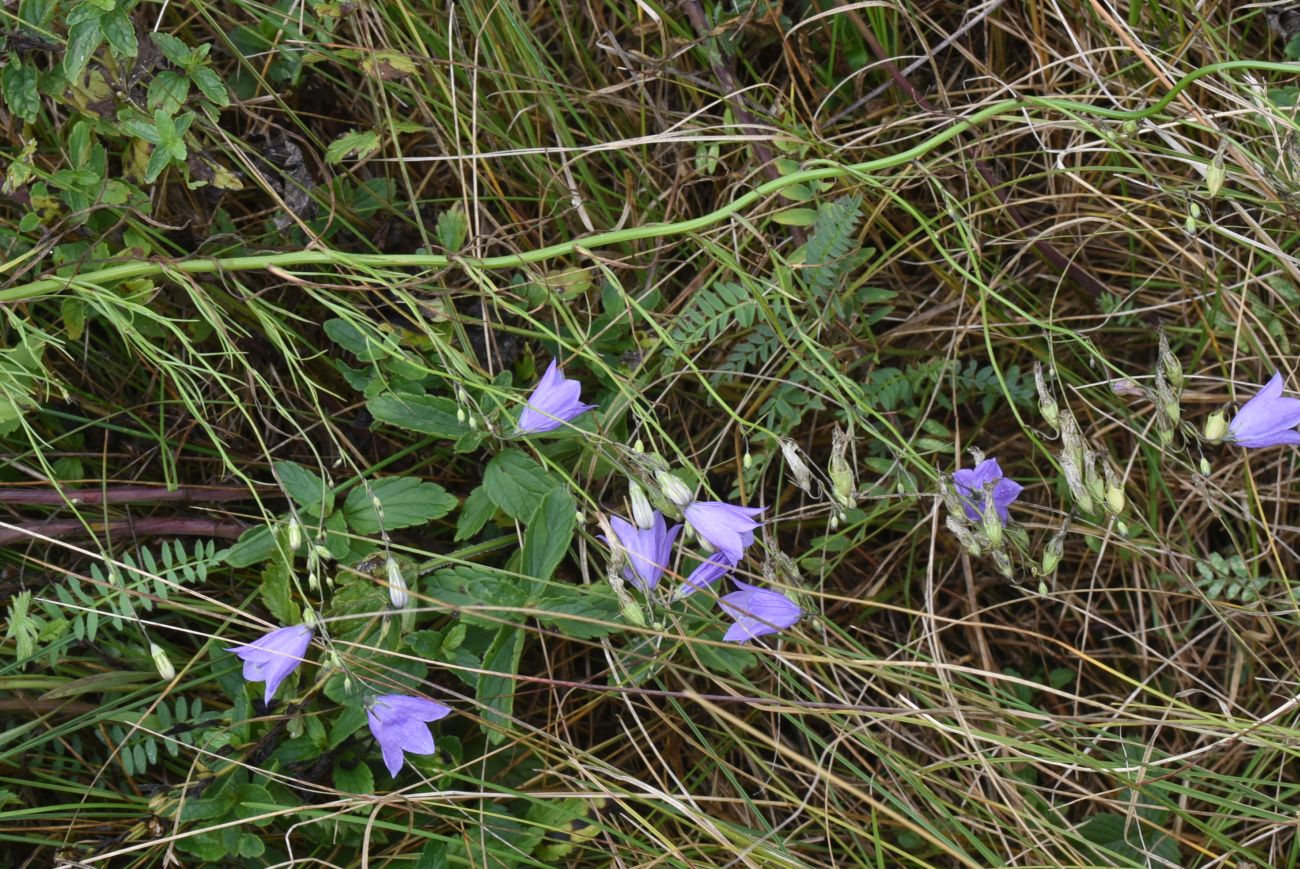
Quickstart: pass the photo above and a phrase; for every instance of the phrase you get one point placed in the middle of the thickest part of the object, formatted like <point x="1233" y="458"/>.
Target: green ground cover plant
<point x="709" y="432"/>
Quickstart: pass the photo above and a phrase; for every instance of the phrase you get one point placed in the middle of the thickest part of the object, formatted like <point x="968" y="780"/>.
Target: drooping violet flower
<point x="971" y="484"/>
<point x="707" y="572"/>
<point x="757" y="611"/>
<point x="648" y="549"/>
<point x="274" y="656"/>
<point x="1268" y="419"/>
<point x="725" y="527"/>
<point x="553" y="403"/>
<point x="399" y="724"/>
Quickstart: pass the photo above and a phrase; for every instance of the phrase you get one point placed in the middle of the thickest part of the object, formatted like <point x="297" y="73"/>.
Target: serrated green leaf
<point x="496" y="689"/>
<point x="407" y="501"/>
<point x="419" y="413"/>
<point x="362" y="143"/>
<point x="516" y="483"/>
<point x="120" y="32"/>
<point x="176" y="51"/>
<point x="452" y="229"/>
<point x="306" y="488"/>
<point x="255" y="545"/>
<point x="84" y="36"/>
<point x="18" y="84"/>
<point x="548" y="534"/>
<point x="276" y="592"/>
<point x="581" y="612"/>
<point x="355" y="778"/>
<point x="158" y="163"/>
<point x="168" y="91"/>
<point x="474" y="514"/>
<point x="210" y="85"/>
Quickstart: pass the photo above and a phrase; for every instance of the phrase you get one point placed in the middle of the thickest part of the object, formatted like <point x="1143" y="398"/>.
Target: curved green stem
<point x="205" y="265"/>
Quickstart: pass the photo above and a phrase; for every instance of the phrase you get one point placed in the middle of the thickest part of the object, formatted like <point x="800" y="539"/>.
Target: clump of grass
<point x="280" y="278"/>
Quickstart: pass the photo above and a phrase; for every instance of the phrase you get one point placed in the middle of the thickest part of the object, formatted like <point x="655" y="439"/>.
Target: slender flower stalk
<point x="274" y="656"/>
<point x="553" y="403"/>
<point x="726" y="527"/>
<point x="648" y="549"/>
<point x="971" y="484"/>
<point x="1267" y="420"/>
<point x="400" y="724"/>
<point x="758" y="612"/>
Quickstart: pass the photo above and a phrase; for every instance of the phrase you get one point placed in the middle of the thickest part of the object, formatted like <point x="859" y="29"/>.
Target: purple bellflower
<point x="400" y="724"/>
<point x="707" y="572"/>
<point x="648" y="549"/>
<point x="274" y="656"/>
<point x="553" y="403"/>
<point x="757" y="611"/>
<point x="725" y="527"/>
<point x="1268" y="419"/>
<point x="971" y="485"/>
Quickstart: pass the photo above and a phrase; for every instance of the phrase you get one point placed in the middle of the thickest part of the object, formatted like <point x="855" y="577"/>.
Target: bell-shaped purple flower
<point x="757" y="611"/>
<point x="725" y="527"/>
<point x="274" y="656"/>
<point x="971" y="485"/>
<point x="1268" y="419"/>
<point x="648" y="549"/>
<point x="553" y="403"/>
<point x="400" y="724"/>
<point x="707" y="572"/>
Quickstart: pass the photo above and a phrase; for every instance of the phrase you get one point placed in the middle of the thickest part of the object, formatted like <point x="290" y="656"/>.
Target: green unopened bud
<point x="964" y="536"/>
<point x="1128" y="128"/>
<point x="323" y="552"/>
<point x="1216" y="427"/>
<point x="295" y="534"/>
<point x="1205" y="466"/>
<point x="461" y="416"/>
<point x="309" y="617"/>
<point x="799" y="470"/>
<point x="1215" y="175"/>
<point x="631" y="611"/>
<point x="1114" y="490"/>
<point x="1002" y="561"/>
<point x="834" y="521"/>
<point x="313" y="581"/>
<point x="1169" y="364"/>
<point x="1047" y="405"/>
<point x="642" y="513"/>
<point x="674" y="489"/>
<point x="840" y="471"/>
<point x="638" y="447"/>
<point x="1092" y="477"/>
<point x="397" y="593"/>
<point x="747" y="461"/>
<point x="162" y="662"/>
<point x="990" y="521"/>
<point x="1053" y="551"/>
<point x="472" y="421"/>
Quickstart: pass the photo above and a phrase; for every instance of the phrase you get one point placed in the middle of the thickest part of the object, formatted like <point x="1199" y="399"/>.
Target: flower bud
<point x="990" y="521"/>
<point x="1215" y="175"/>
<point x="1169" y="364"/>
<point x="1205" y="466"/>
<point x="313" y="581"/>
<point x="840" y="472"/>
<point x="309" y="617"/>
<point x="798" y="469"/>
<point x="1053" y="551"/>
<point x="1166" y="400"/>
<point x="1114" y="490"/>
<point x="631" y="611"/>
<point x="642" y="513"/>
<point x="162" y="662"/>
<point x="295" y="534"/>
<point x="460" y="415"/>
<point x="397" y="593"/>
<point x="964" y="536"/>
<point x="1092" y="478"/>
<point x="323" y="552"/>
<point x="1216" y="427"/>
<point x="747" y="461"/>
<point x="674" y="489"/>
<point x="1046" y="401"/>
<point x="1002" y="561"/>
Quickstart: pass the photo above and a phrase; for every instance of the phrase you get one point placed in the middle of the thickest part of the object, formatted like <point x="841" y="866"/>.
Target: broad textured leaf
<point x="362" y="143"/>
<point x="354" y="778"/>
<point x="276" y="592"/>
<point x="474" y="514"/>
<point x="210" y="85"/>
<point x="516" y="483"/>
<point x="407" y="501"/>
<point x="581" y="611"/>
<point x="548" y="534"/>
<point x="253" y="546"/>
<point x="18" y="82"/>
<point x="83" y="38"/>
<point x="306" y="488"/>
<point x="120" y="32"/>
<point x="496" y="689"/>
<point x="420" y="413"/>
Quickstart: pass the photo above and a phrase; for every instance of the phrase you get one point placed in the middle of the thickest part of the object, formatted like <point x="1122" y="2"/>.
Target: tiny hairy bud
<point x="1215" y="175"/>
<point x="323" y="552"/>
<point x="990" y="521"/>
<point x="397" y="593"/>
<point x="674" y="489"/>
<point x="1047" y="405"/>
<point x="840" y="472"/>
<point x="1092" y="478"/>
<point x="747" y="461"/>
<point x="638" y="447"/>
<point x="295" y="534"/>
<point x="309" y="617"/>
<point x="162" y="662"/>
<point x="460" y="415"/>
<point x="1169" y="364"/>
<point x="1002" y="561"/>
<point x="313" y="581"/>
<point x="1128" y="128"/>
<point x="642" y="513"/>
<point x="1114" y="489"/>
<point x="631" y="611"/>
<point x="964" y="536"/>
<point x="834" y="522"/>
<point x="1053" y="551"/>
<point x="1205" y="466"/>
<point x="799" y="470"/>
<point x="1216" y="427"/>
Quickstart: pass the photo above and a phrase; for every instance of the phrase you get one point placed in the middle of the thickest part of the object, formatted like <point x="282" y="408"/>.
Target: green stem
<point x="206" y="265"/>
